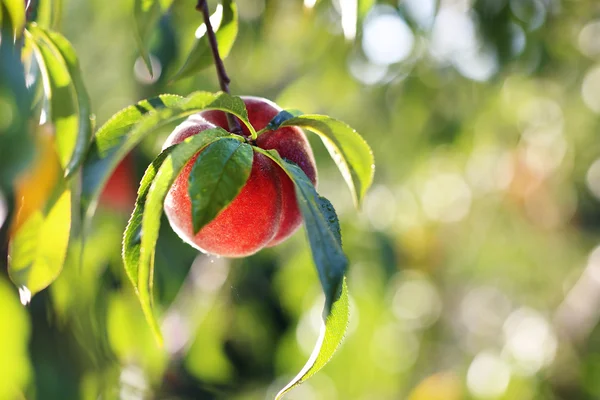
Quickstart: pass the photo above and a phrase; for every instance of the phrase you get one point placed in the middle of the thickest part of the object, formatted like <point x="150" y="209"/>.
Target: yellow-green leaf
<point x="331" y="336"/>
<point x="38" y="249"/>
<point x="69" y="102"/>
<point x="348" y="149"/>
<point x="12" y="13"/>
<point x="141" y="234"/>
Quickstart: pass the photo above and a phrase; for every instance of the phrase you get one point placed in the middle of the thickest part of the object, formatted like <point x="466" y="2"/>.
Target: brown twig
<point x="202" y="6"/>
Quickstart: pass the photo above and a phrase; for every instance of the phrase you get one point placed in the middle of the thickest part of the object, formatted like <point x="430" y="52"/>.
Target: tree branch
<point x="202" y="6"/>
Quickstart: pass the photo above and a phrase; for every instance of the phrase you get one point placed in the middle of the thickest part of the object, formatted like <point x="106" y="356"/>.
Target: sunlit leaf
<point x="217" y="177"/>
<point x="225" y="24"/>
<point x="34" y="187"/>
<point x="133" y="231"/>
<point x="140" y="240"/>
<point x="13" y="12"/>
<point x="331" y="336"/>
<point x="69" y="101"/>
<point x="348" y="149"/>
<point x="115" y="139"/>
<point x="84" y="133"/>
<point x="16" y="369"/>
<point x="48" y="13"/>
<point x="38" y="248"/>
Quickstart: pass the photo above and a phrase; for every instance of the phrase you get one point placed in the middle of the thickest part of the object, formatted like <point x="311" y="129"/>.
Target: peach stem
<point x="202" y="6"/>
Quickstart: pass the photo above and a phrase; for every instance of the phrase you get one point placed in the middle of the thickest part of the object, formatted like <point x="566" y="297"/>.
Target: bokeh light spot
<point x="386" y="37"/>
<point x="455" y="41"/>
<point x="421" y="11"/>
<point x="488" y="376"/>
<point x="366" y="72"/>
<point x="446" y="198"/>
<point x="590" y="89"/>
<point x="483" y="310"/>
<point x="380" y="207"/>
<point x="393" y="349"/>
<point x="252" y="9"/>
<point x="142" y="74"/>
<point x="592" y="178"/>
<point x="588" y="41"/>
<point x="530" y="341"/>
<point x="416" y="301"/>
<point x="489" y="169"/>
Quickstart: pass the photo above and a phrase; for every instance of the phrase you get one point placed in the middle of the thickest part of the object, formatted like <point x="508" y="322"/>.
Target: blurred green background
<point x="474" y="269"/>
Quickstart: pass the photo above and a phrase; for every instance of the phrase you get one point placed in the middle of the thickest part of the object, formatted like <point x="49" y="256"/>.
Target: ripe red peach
<point x="265" y="212"/>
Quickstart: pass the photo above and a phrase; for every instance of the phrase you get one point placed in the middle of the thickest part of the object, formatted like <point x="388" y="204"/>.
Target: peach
<point x="265" y="212"/>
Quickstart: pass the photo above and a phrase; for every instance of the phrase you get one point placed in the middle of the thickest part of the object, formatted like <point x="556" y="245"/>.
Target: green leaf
<point x="217" y="177"/>
<point x="14" y="11"/>
<point x="69" y="101"/>
<point x="133" y="232"/>
<point x="331" y="336"/>
<point x="117" y="137"/>
<point x="140" y="237"/>
<point x="48" y="13"/>
<point x="84" y="115"/>
<point x="348" y="149"/>
<point x="145" y="13"/>
<point x="225" y="23"/>
<point x="323" y="231"/>
<point x="38" y="249"/>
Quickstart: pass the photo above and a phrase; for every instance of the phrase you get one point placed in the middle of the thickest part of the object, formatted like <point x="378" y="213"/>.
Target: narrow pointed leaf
<point x="146" y="14"/>
<point x="331" y="336"/>
<point x="323" y="231"/>
<point x="13" y="13"/>
<point x="140" y="239"/>
<point x="225" y="23"/>
<point x="117" y="137"/>
<point x="84" y="129"/>
<point x="48" y="13"/>
<point x="133" y="232"/>
<point x="348" y="149"/>
<point x="38" y="248"/>
<point x="217" y="177"/>
<point x="69" y="101"/>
